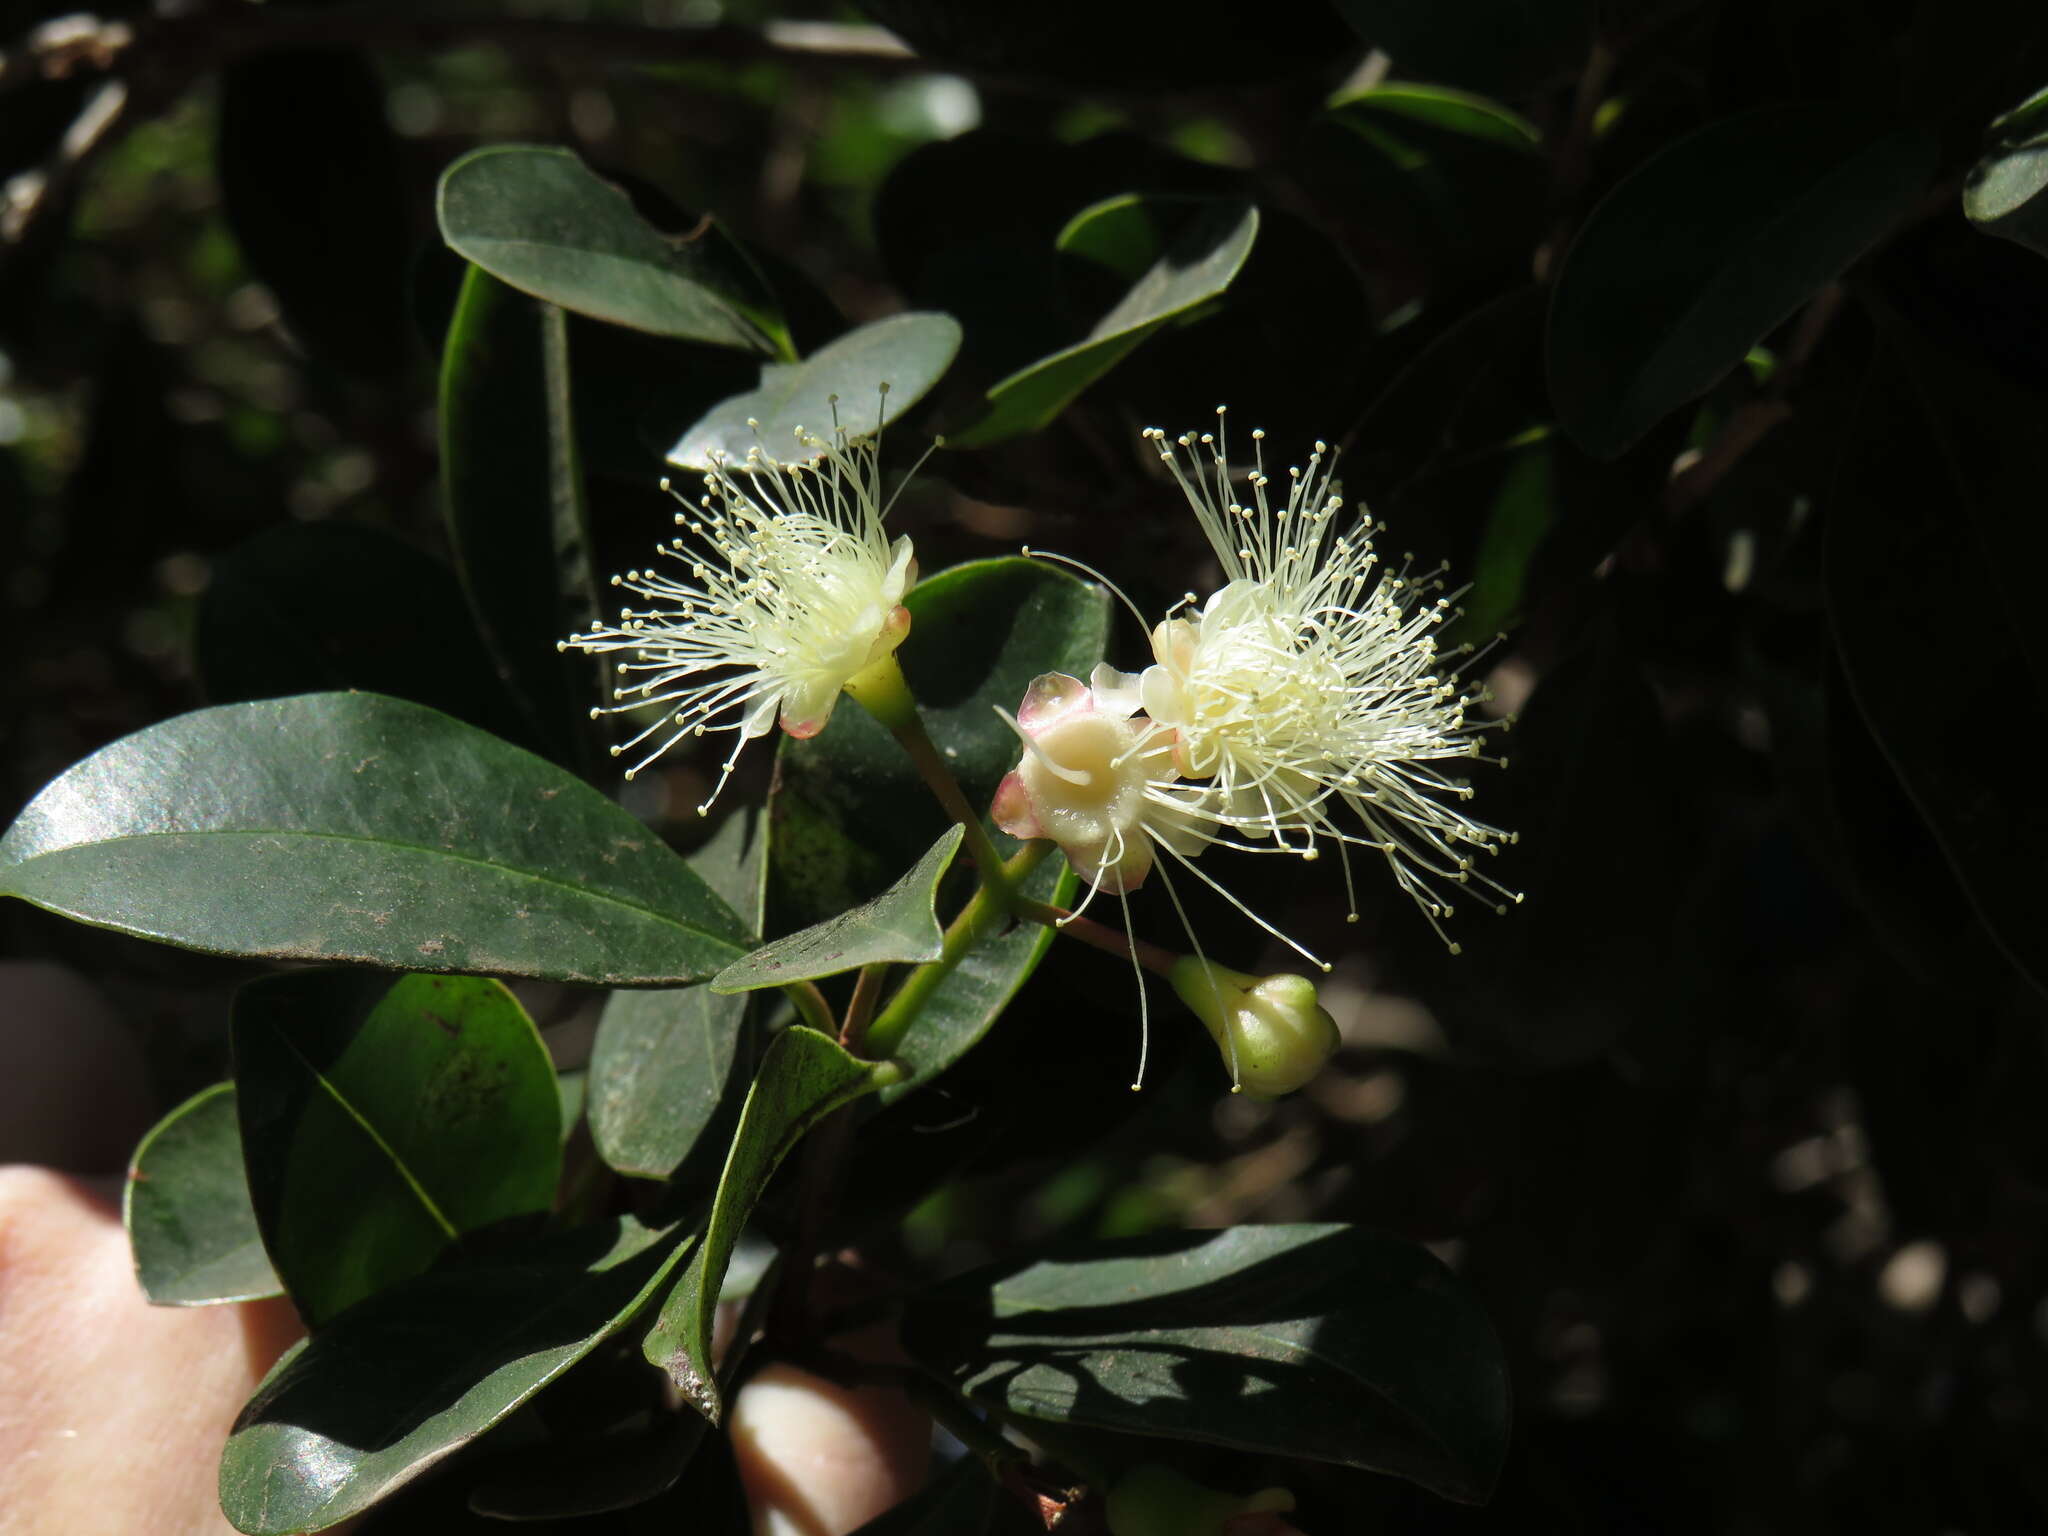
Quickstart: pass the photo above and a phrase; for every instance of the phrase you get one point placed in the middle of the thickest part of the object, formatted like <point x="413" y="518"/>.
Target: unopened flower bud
<point x="1153" y="1500"/>
<point x="1273" y="1033"/>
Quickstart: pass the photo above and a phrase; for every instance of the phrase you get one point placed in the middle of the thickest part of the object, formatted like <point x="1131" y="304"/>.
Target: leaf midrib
<point x="541" y="877"/>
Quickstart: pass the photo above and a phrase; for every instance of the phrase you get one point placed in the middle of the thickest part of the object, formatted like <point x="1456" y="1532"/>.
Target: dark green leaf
<point x="515" y="498"/>
<point x="665" y="1063"/>
<point x="1486" y="45"/>
<point x="1466" y="166"/>
<point x="344" y="826"/>
<point x="382" y="1121"/>
<point x="851" y="812"/>
<point x="285" y="613"/>
<point x="186" y="1208"/>
<point x="805" y="1077"/>
<point x="901" y="924"/>
<point x="312" y="188"/>
<point x="398" y="1383"/>
<point x="1687" y="264"/>
<point x="661" y="1066"/>
<point x="842" y="383"/>
<point x="571" y="1479"/>
<point x="1327" y="1342"/>
<point x="543" y="221"/>
<point x="1936" y="494"/>
<point x="961" y="1009"/>
<point x="1193" y="249"/>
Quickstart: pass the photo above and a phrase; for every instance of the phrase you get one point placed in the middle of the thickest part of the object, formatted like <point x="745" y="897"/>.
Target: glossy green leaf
<point x="843" y="381"/>
<point x="2004" y="193"/>
<point x="1488" y="45"/>
<point x="514" y="498"/>
<point x="343" y="826"/>
<point x="1201" y="244"/>
<point x="804" y="1077"/>
<point x="284" y="613"/>
<point x="1327" y="1342"/>
<point x="665" y="1063"/>
<point x="383" y="1120"/>
<point x="850" y="811"/>
<point x="186" y="1208"/>
<point x="1937" y="494"/>
<point x="544" y="222"/>
<point x="395" y="1385"/>
<point x="901" y="924"/>
<point x="1689" y="262"/>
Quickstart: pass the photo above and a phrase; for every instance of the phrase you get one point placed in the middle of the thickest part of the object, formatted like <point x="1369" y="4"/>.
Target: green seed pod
<point x="1273" y="1033"/>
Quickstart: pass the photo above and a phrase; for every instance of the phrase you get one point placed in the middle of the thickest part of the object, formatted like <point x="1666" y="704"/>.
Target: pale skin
<point x="112" y="1411"/>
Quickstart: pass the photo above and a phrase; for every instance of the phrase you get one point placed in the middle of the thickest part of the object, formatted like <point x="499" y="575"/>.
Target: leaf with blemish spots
<point x="380" y="1122"/>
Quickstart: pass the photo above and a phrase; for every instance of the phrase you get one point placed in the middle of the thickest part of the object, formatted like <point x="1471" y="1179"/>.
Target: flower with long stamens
<point x="1309" y="694"/>
<point x="784" y="587"/>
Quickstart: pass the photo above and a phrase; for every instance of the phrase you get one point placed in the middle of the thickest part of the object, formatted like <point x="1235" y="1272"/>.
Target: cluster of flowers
<point x="1305" y="704"/>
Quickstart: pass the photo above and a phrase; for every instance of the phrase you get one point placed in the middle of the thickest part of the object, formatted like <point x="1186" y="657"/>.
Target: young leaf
<point x="544" y="222"/>
<point x="514" y="498"/>
<point x="414" y="1374"/>
<point x="805" y="1077"/>
<point x="1690" y="261"/>
<point x="1327" y="1342"/>
<point x="1195" y="247"/>
<point x="381" y="1122"/>
<point x="186" y="1208"/>
<point x="344" y="826"/>
<point x="839" y="382"/>
<point x="901" y="924"/>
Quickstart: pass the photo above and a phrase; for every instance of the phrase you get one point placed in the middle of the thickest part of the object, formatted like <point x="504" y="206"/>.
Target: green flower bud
<point x="1273" y="1033"/>
<point x="1152" y="1500"/>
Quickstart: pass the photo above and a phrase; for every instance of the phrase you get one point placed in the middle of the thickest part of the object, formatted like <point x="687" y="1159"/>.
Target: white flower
<point x="1309" y="692"/>
<point x="787" y="588"/>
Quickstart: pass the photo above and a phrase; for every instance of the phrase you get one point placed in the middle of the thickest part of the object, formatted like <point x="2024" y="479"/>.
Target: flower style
<point x="1312" y="682"/>
<point x="789" y="588"/>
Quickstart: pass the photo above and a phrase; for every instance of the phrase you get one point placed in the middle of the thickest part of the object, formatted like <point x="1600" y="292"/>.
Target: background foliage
<point x="1707" y="340"/>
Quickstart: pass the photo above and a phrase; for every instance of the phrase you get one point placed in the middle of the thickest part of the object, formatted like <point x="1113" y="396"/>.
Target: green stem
<point x="881" y="689"/>
<point x="978" y="920"/>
